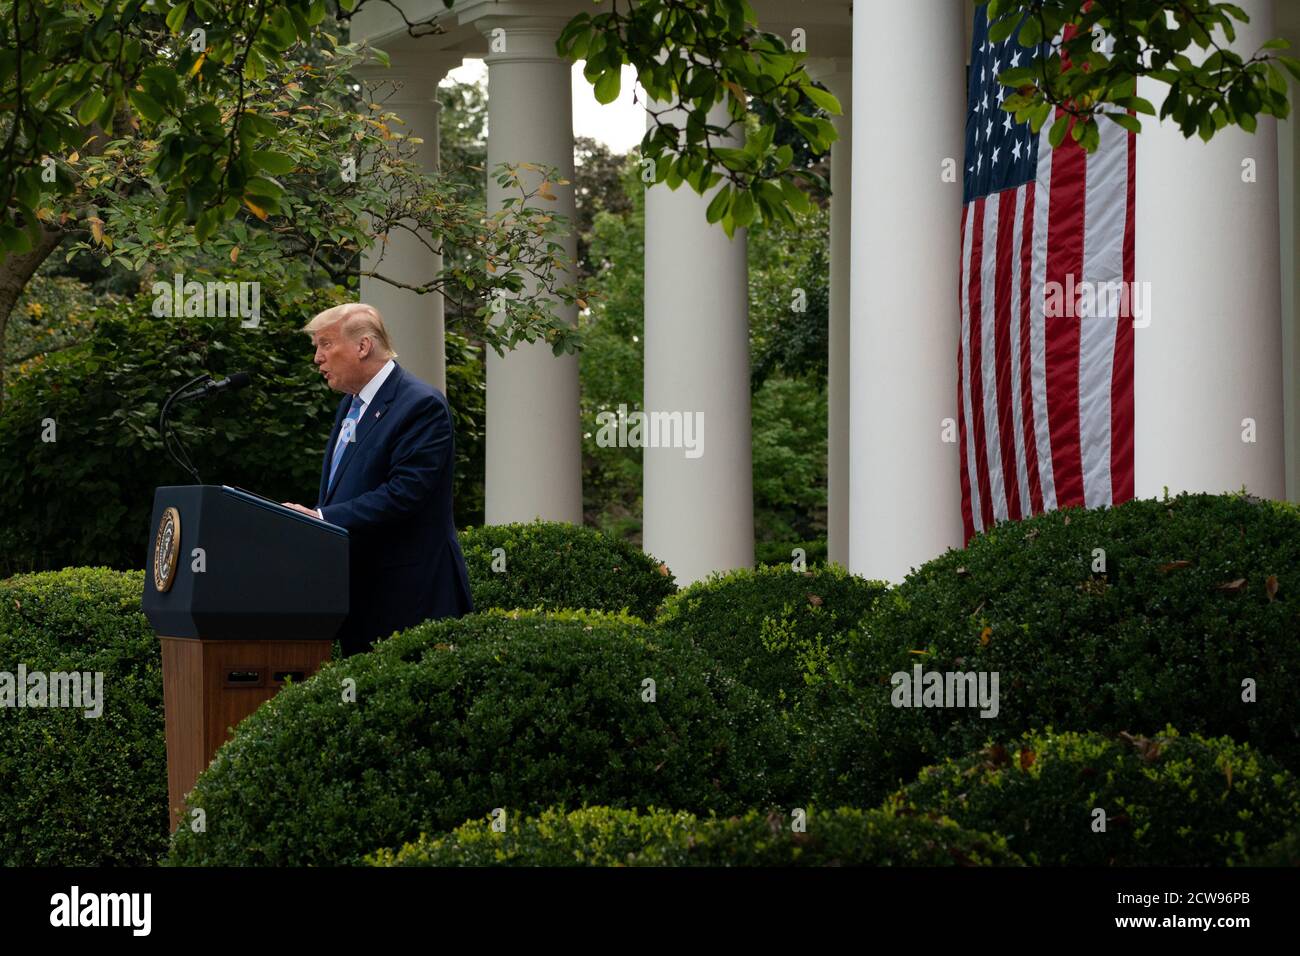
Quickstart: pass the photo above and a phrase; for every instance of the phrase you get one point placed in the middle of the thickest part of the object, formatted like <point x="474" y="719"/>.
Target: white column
<point x="534" y="441"/>
<point x="1207" y="242"/>
<point x="1288" y="152"/>
<point x="698" y="511"/>
<point x="838" y="78"/>
<point x="904" y="492"/>
<point x="414" y="320"/>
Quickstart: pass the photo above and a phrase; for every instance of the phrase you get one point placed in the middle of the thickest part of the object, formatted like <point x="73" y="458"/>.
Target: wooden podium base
<point x="210" y="686"/>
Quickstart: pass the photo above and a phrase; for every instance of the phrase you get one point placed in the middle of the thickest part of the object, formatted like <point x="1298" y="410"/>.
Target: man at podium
<point x="387" y="478"/>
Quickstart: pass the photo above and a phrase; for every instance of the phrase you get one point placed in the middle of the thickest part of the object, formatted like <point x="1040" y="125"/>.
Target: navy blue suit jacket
<point x="392" y="492"/>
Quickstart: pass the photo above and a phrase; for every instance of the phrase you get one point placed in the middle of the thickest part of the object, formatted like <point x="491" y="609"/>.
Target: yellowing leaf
<point x="256" y="210"/>
<point x="985" y="635"/>
<point x="96" y="228"/>
<point x="198" y="64"/>
<point x="234" y="253"/>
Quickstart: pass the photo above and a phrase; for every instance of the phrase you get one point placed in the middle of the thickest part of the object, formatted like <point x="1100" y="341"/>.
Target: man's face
<point x="340" y="359"/>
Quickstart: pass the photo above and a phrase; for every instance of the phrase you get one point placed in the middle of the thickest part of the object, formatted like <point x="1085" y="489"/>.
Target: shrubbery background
<point x="771" y="699"/>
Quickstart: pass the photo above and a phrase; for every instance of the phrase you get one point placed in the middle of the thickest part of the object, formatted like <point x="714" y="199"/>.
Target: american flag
<point x="1045" y="401"/>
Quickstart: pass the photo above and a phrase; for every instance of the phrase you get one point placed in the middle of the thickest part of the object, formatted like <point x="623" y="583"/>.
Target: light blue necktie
<point x="347" y="433"/>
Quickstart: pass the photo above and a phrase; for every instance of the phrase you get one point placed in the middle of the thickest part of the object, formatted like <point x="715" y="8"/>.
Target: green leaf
<point x="176" y="16"/>
<point x="1030" y="33"/>
<point x="1130" y="123"/>
<point x="607" y="87"/>
<point x="1057" y="136"/>
<point x="1137" y="104"/>
<point x="719" y="205"/>
<point x="263" y="186"/>
<point x="146" y="105"/>
<point x="822" y="99"/>
<point x="90" y="107"/>
<point x="1292" y="65"/>
<point x="272" y="162"/>
<point x="742" y="208"/>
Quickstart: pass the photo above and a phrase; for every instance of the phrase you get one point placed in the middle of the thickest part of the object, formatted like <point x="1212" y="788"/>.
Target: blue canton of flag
<point x="1000" y="153"/>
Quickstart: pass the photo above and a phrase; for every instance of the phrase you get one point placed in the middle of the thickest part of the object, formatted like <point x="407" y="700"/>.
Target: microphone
<point x="170" y="440"/>
<point x="232" y="384"/>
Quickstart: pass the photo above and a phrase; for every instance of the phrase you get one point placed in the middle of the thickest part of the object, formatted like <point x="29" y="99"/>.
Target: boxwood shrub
<point x="601" y="836"/>
<point x="1168" y="800"/>
<point x="776" y="629"/>
<point x="454" y="718"/>
<point x="551" y="565"/>
<point x="78" y="790"/>
<point x="779" y="554"/>
<point x="1122" y="619"/>
<point x="1285" y="852"/>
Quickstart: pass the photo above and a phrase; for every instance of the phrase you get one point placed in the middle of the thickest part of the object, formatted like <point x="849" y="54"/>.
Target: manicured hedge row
<point x="600" y="836"/>
<point x="1285" y="852"/>
<point x="77" y="790"/>
<point x="551" y="565"/>
<point x="1167" y="800"/>
<point x="455" y="718"/>
<point x="1196" y="606"/>
<point x="779" y="631"/>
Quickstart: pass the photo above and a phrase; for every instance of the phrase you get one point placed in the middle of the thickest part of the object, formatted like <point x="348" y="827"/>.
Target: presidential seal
<point x="166" y="545"/>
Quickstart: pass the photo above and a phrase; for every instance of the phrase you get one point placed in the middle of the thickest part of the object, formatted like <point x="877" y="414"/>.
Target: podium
<point x="244" y="594"/>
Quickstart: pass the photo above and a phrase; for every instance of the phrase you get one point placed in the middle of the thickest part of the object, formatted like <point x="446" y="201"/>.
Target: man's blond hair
<point x="358" y="320"/>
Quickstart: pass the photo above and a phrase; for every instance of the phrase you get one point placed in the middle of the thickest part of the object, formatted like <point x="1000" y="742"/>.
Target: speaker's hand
<point x="307" y="511"/>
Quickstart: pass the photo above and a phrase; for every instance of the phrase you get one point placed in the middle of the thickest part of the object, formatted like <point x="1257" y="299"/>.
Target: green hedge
<point x="552" y="565"/>
<point x="1199" y="593"/>
<point x="1285" y="852"/>
<point x="600" y="836"/>
<point x="779" y="554"/>
<point x="457" y="717"/>
<point x="78" y="790"/>
<point x="1168" y="800"/>
<point x="777" y="630"/>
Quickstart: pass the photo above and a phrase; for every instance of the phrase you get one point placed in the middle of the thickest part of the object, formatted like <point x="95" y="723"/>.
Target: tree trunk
<point x="15" y="272"/>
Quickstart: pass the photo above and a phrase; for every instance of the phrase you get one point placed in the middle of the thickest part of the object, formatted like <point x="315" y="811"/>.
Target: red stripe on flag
<point x="1026" y="380"/>
<point x="1004" y="275"/>
<point x="1065" y="229"/>
<point x="967" y="520"/>
<point x="977" y="365"/>
<point x="1121" y="381"/>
